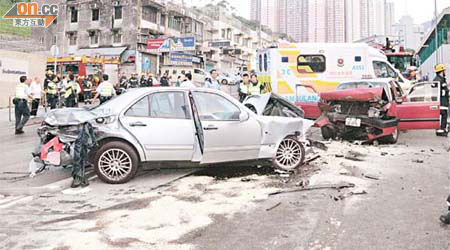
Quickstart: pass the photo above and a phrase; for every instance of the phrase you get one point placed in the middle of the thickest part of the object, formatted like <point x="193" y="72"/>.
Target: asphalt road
<point x="231" y="209"/>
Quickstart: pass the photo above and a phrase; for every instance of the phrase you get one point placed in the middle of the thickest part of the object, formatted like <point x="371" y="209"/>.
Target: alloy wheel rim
<point x="115" y="164"/>
<point x="289" y="154"/>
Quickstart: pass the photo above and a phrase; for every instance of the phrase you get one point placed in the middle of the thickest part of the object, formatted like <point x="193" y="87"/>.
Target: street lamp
<point x="436" y="31"/>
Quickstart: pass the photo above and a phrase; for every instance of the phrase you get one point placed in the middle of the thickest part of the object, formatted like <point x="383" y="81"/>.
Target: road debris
<point x="313" y="158"/>
<point x="315" y="187"/>
<point x="272" y="207"/>
<point x="418" y="161"/>
<point x="354" y="156"/>
<point x="370" y="176"/>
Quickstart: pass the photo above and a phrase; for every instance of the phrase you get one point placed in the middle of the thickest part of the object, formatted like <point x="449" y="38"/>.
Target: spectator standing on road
<point x="21" y="110"/>
<point x="440" y="77"/>
<point x="255" y="87"/>
<point x="164" y="81"/>
<point x="243" y="87"/>
<point x="187" y="82"/>
<point x="212" y="83"/>
<point x="35" y="91"/>
<point x="178" y="82"/>
<point x="123" y="82"/>
<point x="105" y="90"/>
<point x="52" y="92"/>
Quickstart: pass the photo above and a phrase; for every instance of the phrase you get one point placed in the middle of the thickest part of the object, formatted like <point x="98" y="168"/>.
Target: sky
<point x="420" y="10"/>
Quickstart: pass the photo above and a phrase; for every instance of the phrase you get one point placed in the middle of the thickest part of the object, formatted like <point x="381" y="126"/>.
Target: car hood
<point x="355" y="95"/>
<point x="274" y="127"/>
<point x="258" y="101"/>
<point x="73" y="116"/>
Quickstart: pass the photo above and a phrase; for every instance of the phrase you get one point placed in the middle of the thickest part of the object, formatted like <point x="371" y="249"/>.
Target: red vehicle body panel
<point x="424" y="115"/>
<point x="311" y="109"/>
<point x="357" y="95"/>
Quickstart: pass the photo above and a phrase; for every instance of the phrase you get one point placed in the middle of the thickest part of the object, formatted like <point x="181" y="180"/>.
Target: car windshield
<point x="360" y="85"/>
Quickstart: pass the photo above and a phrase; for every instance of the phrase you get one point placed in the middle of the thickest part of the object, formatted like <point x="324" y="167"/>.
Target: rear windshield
<point x="360" y="85"/>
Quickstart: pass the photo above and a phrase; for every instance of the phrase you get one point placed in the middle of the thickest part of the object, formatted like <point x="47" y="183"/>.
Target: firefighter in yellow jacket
<point x="72" y="89"/>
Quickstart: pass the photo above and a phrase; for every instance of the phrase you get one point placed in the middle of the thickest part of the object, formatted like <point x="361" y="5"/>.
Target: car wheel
<point x="290" y="154"/>
<point x="224" y="82"/>
<point x="392" y="138"/>
<point x="116" y="162"/>
<point x="328" y="132"/>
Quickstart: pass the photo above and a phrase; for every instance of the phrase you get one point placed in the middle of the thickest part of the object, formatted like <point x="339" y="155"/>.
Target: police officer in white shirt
<point x="187" y="82"/>
<point x="105" y="90"/>
<point x="212" y="83"/>
<point x="22" y="112"/>
<point x="35" y="91"/>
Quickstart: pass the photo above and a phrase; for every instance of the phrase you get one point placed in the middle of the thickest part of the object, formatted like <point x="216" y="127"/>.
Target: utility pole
<point x="436" y="31"/>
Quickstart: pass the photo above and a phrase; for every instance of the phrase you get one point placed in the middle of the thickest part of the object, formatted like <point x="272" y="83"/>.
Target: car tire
<point x="392" y="138"/>
<point x="116" y="162"/>
<point x="290" y="154"/>
<point x="328" y="132"/>
<point x="224" y="82"/>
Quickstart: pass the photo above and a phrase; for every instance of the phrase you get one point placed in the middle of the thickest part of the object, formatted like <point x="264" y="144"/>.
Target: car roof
<point x="382" y="80"/>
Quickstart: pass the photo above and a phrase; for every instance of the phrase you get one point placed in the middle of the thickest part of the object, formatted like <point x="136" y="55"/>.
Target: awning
<point x="115" y="51"/>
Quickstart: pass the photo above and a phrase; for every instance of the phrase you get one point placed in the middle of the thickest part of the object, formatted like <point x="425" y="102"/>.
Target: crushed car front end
<point x="356" y="114"/>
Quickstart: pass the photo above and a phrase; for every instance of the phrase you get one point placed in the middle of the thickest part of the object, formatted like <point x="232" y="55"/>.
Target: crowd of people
<point x="57" y="91"/>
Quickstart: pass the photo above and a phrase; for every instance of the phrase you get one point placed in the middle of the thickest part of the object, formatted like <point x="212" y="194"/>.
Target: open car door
<point x="311" y="109"/>
<point x="420" y="109"/>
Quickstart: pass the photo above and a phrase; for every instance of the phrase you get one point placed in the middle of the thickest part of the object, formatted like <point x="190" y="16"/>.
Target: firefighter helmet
<point x="439" y="68"/>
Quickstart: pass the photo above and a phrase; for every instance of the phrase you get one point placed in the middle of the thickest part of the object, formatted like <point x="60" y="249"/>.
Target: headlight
<point x="106" y="120"/>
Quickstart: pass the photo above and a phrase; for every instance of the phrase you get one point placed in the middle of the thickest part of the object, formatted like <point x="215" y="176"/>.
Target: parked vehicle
<point x="323" y="66"/>
<point x="226" y="79"/>
<point x="378" y="109"/>
<point x="193" y="126"/>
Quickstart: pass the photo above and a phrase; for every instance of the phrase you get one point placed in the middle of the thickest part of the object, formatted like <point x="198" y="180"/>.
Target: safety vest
<point x="21" y="91"/>
<point x="52" y="88"/>
<point x="243" y="87"/>
<point x="254" y="90"/>
<point x="107" y="89"/>
<point x="70" y="90"/>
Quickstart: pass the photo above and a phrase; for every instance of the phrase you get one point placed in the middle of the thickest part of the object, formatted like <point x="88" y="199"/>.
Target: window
<point x="117" y="12"/>
<point x="311" y="64"/>
<point x="426" y="92"/>
<point x="212" y="107"/>
<point x="260" y="63"/>
<point x="149" y="14"/>
<point x="197" y="71"/>
<point x="140" y="108"/>
<point x="73" y="15"/>
<point x="223" y="33"/>
<point x="94" y="38"/>
<point x="169" y="105"/>
<point x="95" y="14"/>
<point x="174" y="23"/>
<point x="382" y="70"/>
<point x="163" y="20"/>
<point x="265" y="62"/>
<point x="117" y="37"/>
<point x="72" y="39"/>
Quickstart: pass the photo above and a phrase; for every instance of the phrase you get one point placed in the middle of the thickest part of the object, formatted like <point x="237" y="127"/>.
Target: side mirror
<point x="399" y="100"/>
<point x="243" y="116"/>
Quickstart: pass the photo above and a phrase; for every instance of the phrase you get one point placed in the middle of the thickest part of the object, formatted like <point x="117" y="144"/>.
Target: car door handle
<point x="434" y="107"/>
<point x="138" y="124"/>
<point x="211" y="127"/>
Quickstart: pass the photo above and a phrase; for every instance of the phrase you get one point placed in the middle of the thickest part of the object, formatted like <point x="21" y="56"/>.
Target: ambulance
<point x="299" y="72"/>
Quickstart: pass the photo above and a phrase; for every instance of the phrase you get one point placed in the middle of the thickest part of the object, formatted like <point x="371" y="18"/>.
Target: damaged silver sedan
<point x="176" y="125"/>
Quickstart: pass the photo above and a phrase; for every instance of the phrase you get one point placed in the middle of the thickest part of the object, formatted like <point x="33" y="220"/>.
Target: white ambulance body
<point x="322" y="66"/>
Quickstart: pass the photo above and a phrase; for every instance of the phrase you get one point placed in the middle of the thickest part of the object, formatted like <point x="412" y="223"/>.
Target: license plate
<point x="353" y="122"/>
